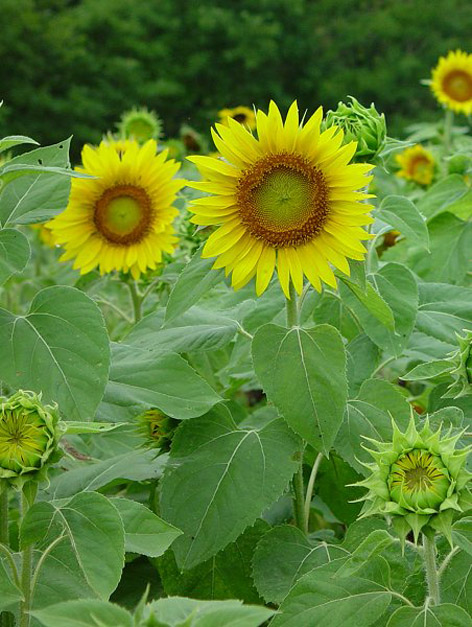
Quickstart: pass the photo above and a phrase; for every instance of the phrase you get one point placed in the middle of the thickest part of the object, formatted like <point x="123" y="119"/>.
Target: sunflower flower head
<point x="157" y="428"/>
<point x="418" y="480"/>
<point x="286" y="200"/>
<point x="140" y="124"/>
<point x="122" y="219"/>
<point x="416" y="164"/>
<point x="242" y="115"/>
<point x="29" y="436"/>
<point x="364" y="125"/>
<point x="451" y="81"/>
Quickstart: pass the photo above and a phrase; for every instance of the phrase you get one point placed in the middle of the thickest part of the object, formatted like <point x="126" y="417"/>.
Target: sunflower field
<point x="236" y="359"/>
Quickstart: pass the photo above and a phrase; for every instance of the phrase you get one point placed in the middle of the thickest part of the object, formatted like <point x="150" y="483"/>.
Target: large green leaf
<point x="14" y="253"/>
<point x="319" y="599"/>
<point x="303" y="372"/>
<point x="362" y="360"/>
<point x="145" y="532"/>
<point x="283" y="556"/>
<point x="94" y="531"/>
<point x="140" y="379"/>
<point x="180" y="612"/>
<point x="402" y="215"/>
<point x="40" y="196"/>
<point x="196" y="279"/>
<point x="462" y="534"/>
<point x="84" y="613"/>
<point x="194" y="331"/>
<point x="398" y="288"/>
<point x="370" y="415"/>
<point x="445" y="615"/>
<point x="227" y="575"/>
<point x="441" y="195"/>
<point x="60" y="348"/>
<point x="15" y="140"/>
<point x="9" y="592"/>
<point x="221" y="478"/>
<point x="370" y="547"/>
<point x="456" y="582"/>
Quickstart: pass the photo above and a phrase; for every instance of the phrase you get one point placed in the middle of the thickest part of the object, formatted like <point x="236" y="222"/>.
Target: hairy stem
<point x="136" y="301"/>
<point x="28" y="495"/>
<point x="292" y="308"/>
<point x="448" y="124"/>
<point x="299" y="497"/>
<point x="432" y="579"/>
<point x="310" y="488"/>
<point x="4" y="539"/>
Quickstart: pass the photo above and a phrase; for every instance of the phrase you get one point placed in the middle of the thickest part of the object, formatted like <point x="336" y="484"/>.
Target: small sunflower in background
<point x="288" y="200"/>
<point x="451" y="81"/>
<point x="140" y="124"/>
<point x="417" y="164"/>
<point x="122" y="219"/>
<point x="45" y="234"/>
<point x="243" y="115"/>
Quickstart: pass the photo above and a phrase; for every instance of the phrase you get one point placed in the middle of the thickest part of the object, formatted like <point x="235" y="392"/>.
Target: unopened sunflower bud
<point x="140" y="124"/>
<point x="419" y="480"/>
<point x="364" y="125"/>
<point x="158" y="429"/>
<point x="461" y="361"/>
<point x="29" y="437"/>
<point x="459" y="164"/>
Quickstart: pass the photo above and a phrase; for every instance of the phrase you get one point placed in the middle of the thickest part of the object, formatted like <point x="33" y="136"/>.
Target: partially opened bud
<point x="461" y="363"/>
<point x="364" y="125"/>
<point x="140" y="124"/>
<point x="419" y="480"/>
<point x="158" y="429"/>
<point x="29" y="436"/>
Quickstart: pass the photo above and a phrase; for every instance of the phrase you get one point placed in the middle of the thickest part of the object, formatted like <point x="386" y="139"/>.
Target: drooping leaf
<point x="141" y="379"/>
<point x="220" y="479"/>
<point x="60" y="348"/>
<point x="14" y="253"/>
<point x="303" y="372"/>
<point x="15" y="140"/>
<point x="84" y="613"/>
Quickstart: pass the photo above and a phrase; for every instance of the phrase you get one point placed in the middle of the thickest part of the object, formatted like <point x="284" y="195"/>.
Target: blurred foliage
<point x="75" y="66"/>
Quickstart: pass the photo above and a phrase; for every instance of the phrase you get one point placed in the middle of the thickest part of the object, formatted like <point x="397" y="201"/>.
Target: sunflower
<point x="417" y="164"/>
<point x="451" y="81"/>
<point x="121" y="220"/>
<point x="243" y="115"/>
<point x="288" y="199"/>
<point x="45" y="234"/>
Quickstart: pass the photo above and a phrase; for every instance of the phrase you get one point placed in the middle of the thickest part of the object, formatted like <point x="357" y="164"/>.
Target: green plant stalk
<point x="432" y="578"/>
<point x="299" y="498"/>
<point x="4" y="539"/>
<point x="292" y="307"/>
<point x="28" y="495"/>
<point x="311" y="487"/>
<point x="136" y="301"/>
<point x="448" y="124"/>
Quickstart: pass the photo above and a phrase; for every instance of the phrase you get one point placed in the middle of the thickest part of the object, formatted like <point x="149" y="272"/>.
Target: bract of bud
<point x="157" y="428"/>
<point x="364" y="125"/>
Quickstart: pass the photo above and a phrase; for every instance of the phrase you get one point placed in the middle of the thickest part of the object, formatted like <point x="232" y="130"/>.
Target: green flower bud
<point x="140" y="124"/>
<point x="461" y="364"/>
<point x="158" y="429"/>
<point x="29" y="436"/>
<point x="365" y="126"/>
<point x="418" y="480"/>
<point x="459" y="164"/>
<point x="176" y="149"/>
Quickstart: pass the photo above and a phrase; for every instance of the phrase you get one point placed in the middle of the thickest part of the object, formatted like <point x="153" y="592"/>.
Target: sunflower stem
<point x="136" y="300"/>
<point x="4" y="539"/>
<point x="28" y="495"/>
<point x="292" y="308"/>
<point x="432" y="579"/>
<point x="448" y="124"/>
<point x="299" y="498"/>
<point x="311" y="487"/>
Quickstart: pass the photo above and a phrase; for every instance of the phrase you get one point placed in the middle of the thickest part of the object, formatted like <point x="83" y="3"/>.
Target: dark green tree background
<point x="72" y="66"/>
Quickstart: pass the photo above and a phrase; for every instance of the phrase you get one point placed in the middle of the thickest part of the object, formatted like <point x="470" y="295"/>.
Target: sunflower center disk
<point x="123" y="214"/>
<point x="458" y="86"/>
<point x="419" y="480"/>
<point x="140" y="129"/>
<point x="283" y="200"/>
<point x="21" y="442"/>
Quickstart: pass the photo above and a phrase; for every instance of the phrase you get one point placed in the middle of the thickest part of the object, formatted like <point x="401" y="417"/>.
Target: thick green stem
<point x="448" y="124"/>
<point x="27" y="499"/>
<point x="311" y="487"/>
<point x="4" y="539"/>
<point x="292" y="308"/>
<point x="432" y="578"/>
<point x="136" y="300"/>
<point x="299" y="498"/>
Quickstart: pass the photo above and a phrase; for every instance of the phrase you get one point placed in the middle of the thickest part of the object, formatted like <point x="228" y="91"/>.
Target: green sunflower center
<point x="23" y="439"/>
<point x="419" y="480"/>
<point x="283" y="200"/>
<point x="458" y="85"/>
<point x="123" y="214"/>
